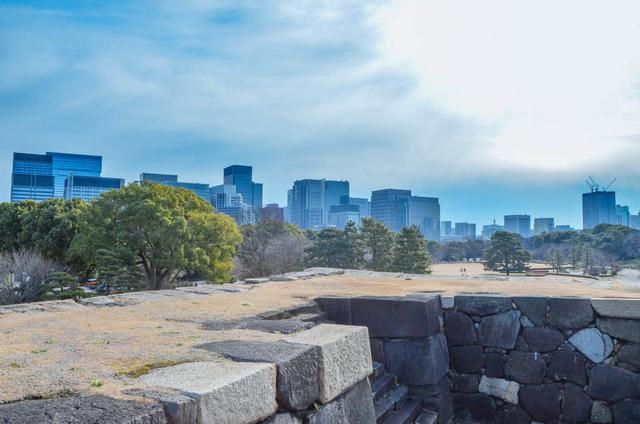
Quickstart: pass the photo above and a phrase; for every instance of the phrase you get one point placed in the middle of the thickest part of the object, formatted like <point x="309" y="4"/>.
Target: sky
<point x="495" y="107"/>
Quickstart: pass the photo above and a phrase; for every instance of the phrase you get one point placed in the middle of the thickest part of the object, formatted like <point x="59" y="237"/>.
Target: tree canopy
<point x="506" y="254"/>
<point x="410" y="252"/>
<point x="378" y="242"/>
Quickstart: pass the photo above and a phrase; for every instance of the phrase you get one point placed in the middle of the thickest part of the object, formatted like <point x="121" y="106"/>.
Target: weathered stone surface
<point x="377" y="350"/>
<point x="612" y="383"/>
<point x="592" y="344"/>
<point x="512" y="414"/>
<point x="543" y="339"/>
<point x="296" y="364"/>
<point x="283" y="418"/>
<point x="576" y="405"/>
<point x="481" y="407"/>
<point x="626" y="329"/>
<point x="523" y="367"/>
<point x="467" y="359"/>
<point x="283" y="326"/>
<point x="541" y="402"/>
<point x="500" y="330"/>
<point x="482" y="305"/>
<point x="353" y="407"/>
<point x="178" y="408"/>
<point x="630" y="353"/>
<point x="447" y="302"/>
<point x="256" y="280"/>
<point x="534" y="308"/>
<point x="427" y="417"/>
<point x="338" y="309"/>
<point x="627" y="411"/>
<point x="418" y="361"/>
<point x="397" y="317"/>
<point x="459" y="329"/>
<point x="500" y="388"/>
<point x="521" y="344"/>
<point x="344" y="356"/>
<point x="617" y="308"/>
<point x="526" y="322"/>
<point x="88" y="409"/>
<point x="570" y="313"/>
<point x="494" y="364"/>
<point x="465" y="383"/>
<point x="601" y="413"/>
<point x="568" y="366"/>
<point x="224" y="392"/>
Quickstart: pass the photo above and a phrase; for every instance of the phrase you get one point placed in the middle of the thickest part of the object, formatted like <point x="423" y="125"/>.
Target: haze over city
<point x="501" y="118"/>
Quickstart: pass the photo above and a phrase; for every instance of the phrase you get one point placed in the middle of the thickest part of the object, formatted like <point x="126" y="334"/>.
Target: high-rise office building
<point x="363" y="204"/>
<point x="227" y="201"/>
<point x="560" y="228"/>
<point x="272" y="212"/>
<point x="241" y="176"/>
<point x="543" y="225"/>
<point x="491" y="229"/>
<point x="622" y="215"/>
<point x="41" y="177"/>
<point x="310" y="201"/>
<point x="171" y="180"/>
<point x="634" y="221"/>
<point x="340" y="215"/>
<point x="519" y="224"/>
<point x="598" y="207"/>
<point x="89" y="188"/>
<point x="465" y="230"/>
<point x="398" y="209"/>
<point x="445" y="228"/>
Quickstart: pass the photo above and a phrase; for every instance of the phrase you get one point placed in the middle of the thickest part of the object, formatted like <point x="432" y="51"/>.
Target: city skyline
<point x="367" y="93"/>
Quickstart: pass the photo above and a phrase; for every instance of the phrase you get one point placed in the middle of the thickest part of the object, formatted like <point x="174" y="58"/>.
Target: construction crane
<point x="594" y="186"/>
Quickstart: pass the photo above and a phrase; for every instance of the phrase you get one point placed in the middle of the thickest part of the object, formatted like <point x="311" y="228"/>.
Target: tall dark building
<point x="272" y="212"/>
<point x="598" y="207"/>
<point x="310" y="201"/>
<point x="519" y="224"/>
<point x="398" y="209"/>
<point x="241" y="177"/>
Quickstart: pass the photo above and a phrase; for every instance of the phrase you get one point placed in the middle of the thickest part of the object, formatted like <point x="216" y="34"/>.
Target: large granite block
<point x="500" y="330"/>
<point x="543" y="339"/>
<point x="296" y="365"/>
<point x="465" y="383"/>
<point x="527" y="368"/>
<point x="626" y="329"/>
<point x="85" y="409"/>
<point x="353" y="407"/>
<point x="338" y="309"/>
<point x="541" y="402"/>
<point x="570" y="313"/>
<point x="592" y="344"/>
<point x="282" y="418"/>
<point x="576" y="405"/>
<point x="613" y="383"/>
<point x="418" y="361"/>
<point x="627" y="411"/>
<point x="494" y="364"/>
<point x="630" y="353"/>
<point x="397" y="317"/>
<point x="482" y="305"/>
<point x="500" y="388"/>
<point x="481" y="407"/>
<point x="568" y="366"/>
<point x="512" y="414"/>
<point x="344" y="356"/>
<point x="617" y="308"/>
<point x="467" y="359"/>
<point x="459" y="329"/>
<point x="534" y="308"/>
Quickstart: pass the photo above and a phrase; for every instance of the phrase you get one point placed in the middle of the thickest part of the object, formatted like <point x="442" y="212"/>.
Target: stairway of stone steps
<point x="393" y="405"/>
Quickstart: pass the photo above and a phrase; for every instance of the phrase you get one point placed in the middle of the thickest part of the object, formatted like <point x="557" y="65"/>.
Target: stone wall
<point x="524" y="359"/>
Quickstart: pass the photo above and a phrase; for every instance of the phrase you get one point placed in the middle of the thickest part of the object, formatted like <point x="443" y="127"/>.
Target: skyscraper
<point x="543" y="225"/>
<point x="398" y="209"/>
<point x="363" y="204"/>
<point x="65" y="164"/>
<point x="445" y="228"/>
<point x="634" y="221"/>
<point x="89" y="188"/>
<point x="465" y="230"/>
<point x="519" y="224"/>
<point x="272" y="212"/>
<point x="491" y="229"/>
<point x="340" y="215"/>
<point x="424" y="213"/>
<point x="310" y="201"/>
<point x="227" y="201"/>
<point x="622" y="215"/>
<point x="241" y="176"/>
<point x="598" y="207"/>
<point x="171" y="180"/>
<point x="32" y="177"/>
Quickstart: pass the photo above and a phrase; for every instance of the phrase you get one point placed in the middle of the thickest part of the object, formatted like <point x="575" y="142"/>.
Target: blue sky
<point x="503" y="108"/>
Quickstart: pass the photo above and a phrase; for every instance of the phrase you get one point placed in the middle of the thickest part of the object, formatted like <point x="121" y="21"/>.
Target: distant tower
<point x="598" y="206"/>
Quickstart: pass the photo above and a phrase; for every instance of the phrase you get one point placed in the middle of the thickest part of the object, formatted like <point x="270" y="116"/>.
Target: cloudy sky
<point x="495" y="106"/>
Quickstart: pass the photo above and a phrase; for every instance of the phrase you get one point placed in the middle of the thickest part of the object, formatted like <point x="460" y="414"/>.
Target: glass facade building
<point x="465" y="230"/>
<point x="32" y="177"/>
<point x="399" y="208"/>
<point x="598" y="207"/>
<point x="519" y="224"/>
<point x="340" y="215"/>
<point x="310" y="201"/>
<point x="241" y="176"/>
<point x="424" y="213"/>
<point x="199" y="189"/>
<point x="622" y="215"/>
<point x="543" y="225"/>
<point x="66" y="164"/>
<point x="89" y="188"/>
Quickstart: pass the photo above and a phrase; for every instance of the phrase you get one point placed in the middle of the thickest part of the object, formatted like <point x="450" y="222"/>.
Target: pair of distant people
<point x="463" y="271"/>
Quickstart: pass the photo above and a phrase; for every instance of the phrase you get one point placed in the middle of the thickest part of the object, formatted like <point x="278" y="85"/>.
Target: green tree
<point x="167" y="231"/>
<point x="11" y="218"/>
<point x="62" y="279"/>
<point x="410" y="252"/>
<point x="327" y="249"/>
<point x="506" y="254"/>
<point x="555" y="258"/>
<point x="378" y="243"/>
<point x="353" y="247"/>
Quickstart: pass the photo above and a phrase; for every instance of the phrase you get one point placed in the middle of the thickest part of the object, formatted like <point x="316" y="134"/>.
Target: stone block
<point x="617" y="308"/>
<point x="296" y="367"/>
<point x="178" y="408"/>
<point x="344" y="356"/>
<point x="481" y="407"/>
<point x="465" y="383"/>
<point x="576" y="405"/>
<point x="494" y="364"/>
<point x="626" y="329"/>
<point x="459" y="329"/>
<point x="282" y="418"/>
<point x="418" y="361"/>
<point x="377" y="350"/>
<point x="467" y="359"/>
<point x="397" y="317"/>
<point x="85" y="409"/>
<point x="500" y="330"/>
<point x="592" y="344"/>
<point x="282" y="326"/>
<point x="224" y="392"/>
<point x="601" y="413"/>
<point x="353" y="407"/>
<point x="500" y="388"/>
<point x="627" y="411"/>
<point x="534" y="308"/>
<point x="543" y="339"/>
<point x="630" y="353"/>
<point x="256" y="280"/>
<point x="542" y="402"/>
<point x="568" y="366"/>
<point x="527" y="368"/>
<point x="338" y="309"/>
<point x="427" y="417"/>
<point x="570" y="313"/>
<point x="512" y="414"/>
<point x="612" y="383"/>
<point x="482" y="305"/>
<point x="447" y="302"/>
<point x="435" y="398"/>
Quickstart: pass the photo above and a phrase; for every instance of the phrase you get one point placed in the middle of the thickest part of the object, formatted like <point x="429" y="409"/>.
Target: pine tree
<point x="506" y="254"/>
<point x="410" y="252"/>
<point x="378" y="242"/>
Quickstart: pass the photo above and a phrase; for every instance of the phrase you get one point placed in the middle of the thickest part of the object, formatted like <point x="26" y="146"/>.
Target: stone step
<point x="399" y="396"/>
<point x="427" y="417"/>
<point x="316" y="318"/>
<point x="382" y="385"/>
<point x="407" y="414"/>
<point x="378" y="369"/>
<point x="384" y="408"/>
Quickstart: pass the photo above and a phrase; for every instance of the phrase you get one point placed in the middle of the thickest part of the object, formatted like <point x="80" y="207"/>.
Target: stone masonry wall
<point x="538" y="359"/>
